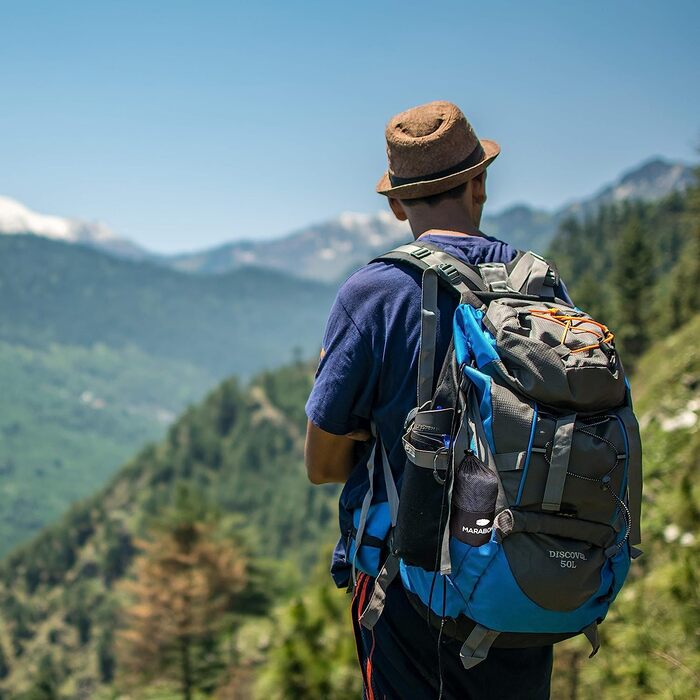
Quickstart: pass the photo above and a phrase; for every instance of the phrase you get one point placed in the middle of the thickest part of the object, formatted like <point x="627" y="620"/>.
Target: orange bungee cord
<point x="573" y="324"/>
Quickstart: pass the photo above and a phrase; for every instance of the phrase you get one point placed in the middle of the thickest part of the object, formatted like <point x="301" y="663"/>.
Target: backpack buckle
<point x="551" y="279"/>
<point x="449" y="272"/>
<point x="421" y="253"/>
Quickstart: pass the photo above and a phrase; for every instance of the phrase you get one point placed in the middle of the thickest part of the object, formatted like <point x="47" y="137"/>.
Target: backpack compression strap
<point x="527" y="273"/>
<point x="391" y="494"/>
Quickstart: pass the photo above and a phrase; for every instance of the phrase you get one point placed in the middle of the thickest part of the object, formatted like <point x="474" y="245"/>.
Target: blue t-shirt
<point x="370" y="367"/>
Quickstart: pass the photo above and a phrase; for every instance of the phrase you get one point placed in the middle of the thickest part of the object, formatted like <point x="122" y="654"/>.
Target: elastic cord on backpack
<point x="602" y="332"/>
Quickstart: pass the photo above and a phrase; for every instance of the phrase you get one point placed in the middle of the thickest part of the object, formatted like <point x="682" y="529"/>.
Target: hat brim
<point x="427" y="188"/>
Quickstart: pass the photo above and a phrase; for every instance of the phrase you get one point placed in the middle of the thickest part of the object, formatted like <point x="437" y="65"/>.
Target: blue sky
<point x="184" y="124"/>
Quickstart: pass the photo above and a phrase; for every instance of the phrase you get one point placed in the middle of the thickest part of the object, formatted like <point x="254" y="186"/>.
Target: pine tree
<point x="105" y="656"/>
<point x="312" y="653"/>
<point x="185" y="582"/>
<point x="684" y="285"/>
<point x="633" y="279"/>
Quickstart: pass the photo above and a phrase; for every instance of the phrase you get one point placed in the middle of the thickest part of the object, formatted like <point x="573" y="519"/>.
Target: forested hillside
<point x="635" y="266"/>
<point x="71" y="295"/>
<point x="98" y="356"/>
<point x="237" y="457"/>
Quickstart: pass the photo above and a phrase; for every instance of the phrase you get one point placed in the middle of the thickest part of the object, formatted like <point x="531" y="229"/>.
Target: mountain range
<point x="16" y="218"/>
<point x="329" y="250"/>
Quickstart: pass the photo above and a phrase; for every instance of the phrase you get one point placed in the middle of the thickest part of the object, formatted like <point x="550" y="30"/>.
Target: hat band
<point x="476" y="156"/>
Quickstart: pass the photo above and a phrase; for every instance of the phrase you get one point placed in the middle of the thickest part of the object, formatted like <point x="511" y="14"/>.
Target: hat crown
<point x="428" y="139"/>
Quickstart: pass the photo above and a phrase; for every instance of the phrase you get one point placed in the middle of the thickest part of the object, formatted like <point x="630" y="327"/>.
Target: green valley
<point x="239" y="454"/>
<point x="98" y="355"/>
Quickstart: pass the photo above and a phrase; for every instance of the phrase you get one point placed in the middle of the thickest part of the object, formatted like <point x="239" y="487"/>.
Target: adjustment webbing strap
<point x="461" y="444"/>
<point x="529" y="274"/>
<point x="559" y="463"/>
<point x="477" y="645"/>
<point x="375" y="607"/>
<point x="593" y="637"/>
<point x="445" y="261"/>
<point x="392" y="494"/>
<point x="428" y="336"/>
<point x="476" y="424"/>
<point x="634" y="473"/>
<point x="366" y="503"/>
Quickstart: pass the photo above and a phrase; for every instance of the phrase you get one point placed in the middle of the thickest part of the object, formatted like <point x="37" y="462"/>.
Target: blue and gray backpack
<point x="520" y="500"/>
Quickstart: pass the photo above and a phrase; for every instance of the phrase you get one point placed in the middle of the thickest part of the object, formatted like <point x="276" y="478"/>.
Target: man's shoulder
<point x="378" y="284"/>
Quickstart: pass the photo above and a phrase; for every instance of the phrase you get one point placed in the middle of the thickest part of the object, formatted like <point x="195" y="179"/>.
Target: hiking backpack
<point x="520" y="498"/>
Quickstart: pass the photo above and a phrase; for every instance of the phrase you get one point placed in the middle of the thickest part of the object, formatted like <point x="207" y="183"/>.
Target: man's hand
<point x="330" y="458"/>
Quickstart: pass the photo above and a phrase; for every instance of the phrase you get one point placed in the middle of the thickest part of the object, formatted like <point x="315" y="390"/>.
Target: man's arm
<point x="330" y="458"/>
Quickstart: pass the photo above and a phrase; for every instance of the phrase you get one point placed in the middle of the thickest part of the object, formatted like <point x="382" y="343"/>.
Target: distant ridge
<point x="321" y="251"/>
<point x="653" y="179"/>
<point x="330" y="249"/>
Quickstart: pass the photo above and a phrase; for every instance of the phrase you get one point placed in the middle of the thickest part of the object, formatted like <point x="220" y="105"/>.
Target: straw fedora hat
<point x="431" y="149"/>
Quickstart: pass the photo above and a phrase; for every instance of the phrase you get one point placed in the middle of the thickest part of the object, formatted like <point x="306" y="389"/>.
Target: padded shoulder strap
<point x="460" y="277"/>
<point x="428" y="336"/>
<point x="527" y="274"/>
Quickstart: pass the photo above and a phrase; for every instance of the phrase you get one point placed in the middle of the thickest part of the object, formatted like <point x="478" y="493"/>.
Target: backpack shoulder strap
<point x="527" y="274"/>
<point x="464" y="279"/>
<point x="460" y="278"/>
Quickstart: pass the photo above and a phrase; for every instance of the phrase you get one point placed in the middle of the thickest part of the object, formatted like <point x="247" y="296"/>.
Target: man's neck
<point x="447" y="228"/>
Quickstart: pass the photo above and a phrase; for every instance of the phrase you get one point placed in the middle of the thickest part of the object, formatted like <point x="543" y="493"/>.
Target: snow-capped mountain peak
<point x="16" y="218"/>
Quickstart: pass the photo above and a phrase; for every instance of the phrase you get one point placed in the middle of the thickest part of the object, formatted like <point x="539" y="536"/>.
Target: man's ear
<point x="479" y="189"/>
<point x="397" y="208"/>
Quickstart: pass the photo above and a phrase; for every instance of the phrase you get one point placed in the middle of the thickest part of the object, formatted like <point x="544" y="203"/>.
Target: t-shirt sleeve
<point x="346" y="380"/>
